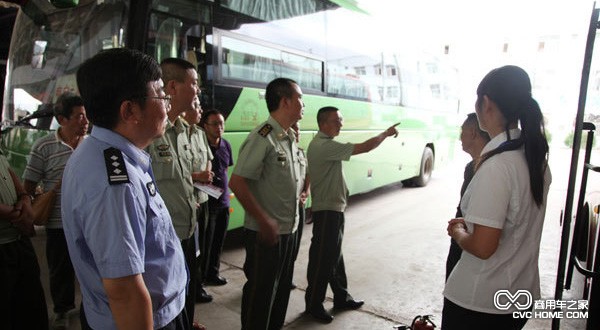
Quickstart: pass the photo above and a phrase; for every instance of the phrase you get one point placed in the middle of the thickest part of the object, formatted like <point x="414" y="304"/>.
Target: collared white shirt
<point x="499" y="196"/>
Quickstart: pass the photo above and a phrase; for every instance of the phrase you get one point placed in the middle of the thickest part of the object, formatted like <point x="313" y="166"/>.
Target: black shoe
<point x="203" y="297"/>
<point x="320" y="314"/>
<point x="293" y="286"/>
<point x="348" y="304"/>
<point x="216" y="280"/>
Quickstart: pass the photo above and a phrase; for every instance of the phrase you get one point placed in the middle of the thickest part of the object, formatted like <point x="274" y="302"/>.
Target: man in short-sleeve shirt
<point x="46" y="164"/>
<point x="213" y="124"/>
<point x="124" y="249"/>
<point x="172" y="163"/>
<point x="266" y="181"/>
<point x="202" y="174"/>
<point x="329" y="197"/>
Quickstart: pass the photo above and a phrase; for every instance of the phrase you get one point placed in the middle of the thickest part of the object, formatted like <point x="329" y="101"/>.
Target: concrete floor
<point x="395" y="248"/>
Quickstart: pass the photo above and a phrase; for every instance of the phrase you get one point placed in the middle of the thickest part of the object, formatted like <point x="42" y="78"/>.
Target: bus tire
<point x="427" y="161"/>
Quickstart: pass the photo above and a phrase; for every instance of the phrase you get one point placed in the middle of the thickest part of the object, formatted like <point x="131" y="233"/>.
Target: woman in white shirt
<point x="503" y="208"/>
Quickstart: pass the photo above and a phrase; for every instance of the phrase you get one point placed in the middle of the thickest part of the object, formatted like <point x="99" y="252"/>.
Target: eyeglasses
<point x="166" y="99"/>
<point x="217" y="123"/>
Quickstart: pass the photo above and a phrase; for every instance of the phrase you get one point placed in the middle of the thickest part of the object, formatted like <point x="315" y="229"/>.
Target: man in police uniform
<point x="267" y="182"/>
<point x="172" y="163"/>
<point x="329" y="199"/>
<point x="123" y="246"/>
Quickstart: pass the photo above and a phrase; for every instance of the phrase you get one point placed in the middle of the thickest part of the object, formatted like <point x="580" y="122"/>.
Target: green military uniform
<point x="301" y="210"/>
<point x="22" y="302"/>
<point x="329" y="197"/>
<point x="269" y="161"/>
<point x="328" y="185"/>
<point x="8" y="196"/>
<point x="201" y="156"/>
<point x="172" y="165"/>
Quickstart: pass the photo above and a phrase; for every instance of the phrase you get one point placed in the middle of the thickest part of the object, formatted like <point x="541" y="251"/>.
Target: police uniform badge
<point x="115" y="166"/>
<point x="151" y="188"/>
<point x="265" y="130"/>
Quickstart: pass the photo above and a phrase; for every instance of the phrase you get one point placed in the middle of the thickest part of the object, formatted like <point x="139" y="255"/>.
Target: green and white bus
<point x="339" y="55"/>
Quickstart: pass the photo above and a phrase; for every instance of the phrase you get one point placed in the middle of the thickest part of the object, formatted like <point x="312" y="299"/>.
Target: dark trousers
<point x="455" y="317"/>
<point x="216" y="230"/>
<point x="181" y="322"/>
<point x="454" y="254"/>
<point x="189" y="253"/>
<point x="202" y="219"/>
<point x="269" y="276"/>
<point x="301" y="217"/>
<point x="22" y="301"/>
<point x="62" y="274"/>
<point x="325" y="260"/>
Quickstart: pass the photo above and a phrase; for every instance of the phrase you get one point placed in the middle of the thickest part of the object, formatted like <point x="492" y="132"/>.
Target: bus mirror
<point x="38" y="58"/>
<point x="64" y="3"/>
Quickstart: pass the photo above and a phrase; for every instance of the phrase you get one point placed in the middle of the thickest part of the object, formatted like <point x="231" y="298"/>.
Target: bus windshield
<point x="42" y="70"/>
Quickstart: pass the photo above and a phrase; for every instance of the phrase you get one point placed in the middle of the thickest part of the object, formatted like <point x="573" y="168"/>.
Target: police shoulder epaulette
<point x="115" y="166"/>
<point x="265" y="130"/>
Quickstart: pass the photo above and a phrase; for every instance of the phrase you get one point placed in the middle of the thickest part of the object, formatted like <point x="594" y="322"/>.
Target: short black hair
<point x="174" y="68"/>
<point x="65" y="104"/>
<point x="207" y="114"/>
<point x="111" y="77"/>
<point x="278" y="89"/>
<point x="472" y="120"/>
<point x="322" y="114"/>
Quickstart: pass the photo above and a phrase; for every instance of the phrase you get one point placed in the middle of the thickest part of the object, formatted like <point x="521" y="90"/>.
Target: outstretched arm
<point x="375" y="141"/>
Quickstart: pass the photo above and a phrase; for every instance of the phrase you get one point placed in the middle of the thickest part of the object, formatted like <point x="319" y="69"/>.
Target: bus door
<point x="583" y="239"/>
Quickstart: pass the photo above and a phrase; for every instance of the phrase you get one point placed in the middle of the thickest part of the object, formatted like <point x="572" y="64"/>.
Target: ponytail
<point x="536" y="148"/>
<point x="535" y="145"/>
<point x="510" y="88"/>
